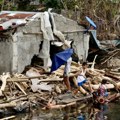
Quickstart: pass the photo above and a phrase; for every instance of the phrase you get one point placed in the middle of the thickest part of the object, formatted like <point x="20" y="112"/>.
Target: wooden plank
<point x="26" y="80"/>
<point x="20" y="88"/>
<point x="7" y="118"/>
<point x="51" y="80"/>
<point x="6" y="105"/>
<point x="69" y="100"/>
<point x="65" y="96"/>
<point x="33" y="77"/>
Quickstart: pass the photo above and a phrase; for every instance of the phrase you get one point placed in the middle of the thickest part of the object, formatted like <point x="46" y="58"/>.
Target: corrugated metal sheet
<point x="15" y="15"/>
<point x="8" y="18"/>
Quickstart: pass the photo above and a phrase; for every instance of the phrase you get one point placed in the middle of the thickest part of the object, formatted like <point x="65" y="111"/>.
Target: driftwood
<point x="41" y="98"/>
<point x="93" y="73"/>
<point x="97" y="76"/>
<point x="20" y="88"/>
<point x="114" y="73"/>
<point x="17" y="80"/>
<point x="113" y="97"/>
<point x="108" y="86"/>
<point x="69" y="100"/>
<point x="112" y="76"/>
<point x="51" y="80"/>
<point x="6" y="105"/>
<point x="21" y="99"/>
<point x="16" y="99"/>
<point x="40" y="76"/>
<point x="3" y="79"/>
<point x="109" y="57"/>
<point x="52" y="106"/>
<point x="93" y="64"/>
<point x="81" y="89"/>
<point x="17" y="89"/>
<point x="100" y="71"/>
<point x="26" y="80"/>
<point x="7" y="118"/>
<point x="58" y="90"/>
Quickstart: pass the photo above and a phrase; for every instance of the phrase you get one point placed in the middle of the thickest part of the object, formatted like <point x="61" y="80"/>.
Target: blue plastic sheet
<point x="91" y="22"/>
<point x="60" y="59"/>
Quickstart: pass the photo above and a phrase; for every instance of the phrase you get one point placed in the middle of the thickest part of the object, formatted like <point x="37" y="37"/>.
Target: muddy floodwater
<point x="112" y="112"/>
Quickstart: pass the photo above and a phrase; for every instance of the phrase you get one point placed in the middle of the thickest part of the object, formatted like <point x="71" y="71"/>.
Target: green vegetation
<point x="103" y="12"/>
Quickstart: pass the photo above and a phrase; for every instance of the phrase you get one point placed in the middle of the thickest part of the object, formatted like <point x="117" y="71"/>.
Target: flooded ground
<point x="112" y="112"/>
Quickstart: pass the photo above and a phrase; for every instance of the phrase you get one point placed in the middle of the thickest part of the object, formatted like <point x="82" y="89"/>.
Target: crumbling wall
<point x="64" y="24"/>
<point x="17" y="54"/>
<point x="28" y="41"/>
<point x="6" y="56"/>
<point x="30" y="36"/>
<point x="75" y="32"/>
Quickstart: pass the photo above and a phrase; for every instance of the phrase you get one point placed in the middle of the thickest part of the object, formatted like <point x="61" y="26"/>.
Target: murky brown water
<point x="112" y="112"/>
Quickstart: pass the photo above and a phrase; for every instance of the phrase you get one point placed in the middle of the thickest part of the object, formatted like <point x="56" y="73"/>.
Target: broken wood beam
<point x="51" y="80"/>
<point x="109" y="58"/>
<point x="33" y="77"/>
<point x="20" y="88"/>
<point x="112" y="76"/>
<point x="26" y="80"/>
<point x="69" y="100"/>
<point x="4" y="81"/>
<point x="6" y="105"/>
<point x="108" y="86"/>
<point x="52" y="106"/>
<point x="17" y="80"/>
<point x="7" y="118"/>
<point x="16" y="99"/>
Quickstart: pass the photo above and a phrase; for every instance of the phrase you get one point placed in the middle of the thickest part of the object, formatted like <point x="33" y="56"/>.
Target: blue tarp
<point x="61" y="58"/>
<point x="95" y="39"/>
<point x="91" y="22"/>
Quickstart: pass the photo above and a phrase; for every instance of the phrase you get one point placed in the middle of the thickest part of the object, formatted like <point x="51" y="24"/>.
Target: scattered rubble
<point x="22" y="92"/>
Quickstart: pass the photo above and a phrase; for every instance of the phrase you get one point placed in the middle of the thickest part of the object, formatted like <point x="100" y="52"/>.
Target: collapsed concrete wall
<point x="26" y="40"/>
<point x="27" y="45"/>
<point x="74" y="32"/>
<point x="6" y="56"/>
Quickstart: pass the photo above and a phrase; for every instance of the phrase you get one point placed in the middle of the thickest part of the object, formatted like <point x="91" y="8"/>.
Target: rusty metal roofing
<point x="7" y="18"/>
<point x="15" y="15"/>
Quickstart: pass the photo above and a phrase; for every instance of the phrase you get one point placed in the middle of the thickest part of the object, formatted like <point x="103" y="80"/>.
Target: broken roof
<point x="9" y="19"/>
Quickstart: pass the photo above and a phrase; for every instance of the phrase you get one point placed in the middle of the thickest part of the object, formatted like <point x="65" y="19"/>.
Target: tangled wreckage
<point x="29" y="37"/>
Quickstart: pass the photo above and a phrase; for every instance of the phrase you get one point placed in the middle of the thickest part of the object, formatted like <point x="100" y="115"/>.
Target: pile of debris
<point x="36" y="87"/>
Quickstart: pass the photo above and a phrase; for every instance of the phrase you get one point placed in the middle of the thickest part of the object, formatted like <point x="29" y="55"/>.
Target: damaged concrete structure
<point x="22" y="32"/>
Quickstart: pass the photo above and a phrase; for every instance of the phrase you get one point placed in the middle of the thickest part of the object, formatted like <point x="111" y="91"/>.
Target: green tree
<point x="56" y="4"/>
<point x="23" y="4"/>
